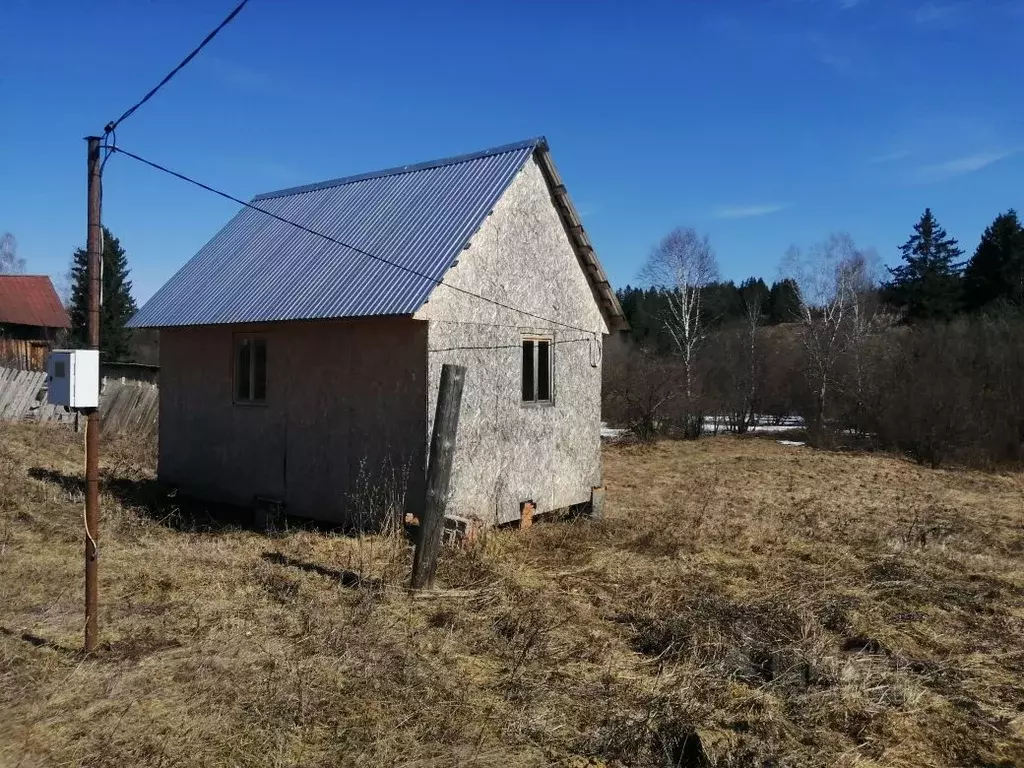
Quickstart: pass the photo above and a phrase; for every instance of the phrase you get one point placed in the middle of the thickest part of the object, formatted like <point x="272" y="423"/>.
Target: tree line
<point x="933" y="282"/>
<point x="926" y="357"/>
<point x="723" y="303"/>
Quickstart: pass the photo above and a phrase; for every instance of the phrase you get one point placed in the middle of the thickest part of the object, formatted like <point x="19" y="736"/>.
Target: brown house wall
<point x="345" y="411"/>
<point x="26" y="346"/>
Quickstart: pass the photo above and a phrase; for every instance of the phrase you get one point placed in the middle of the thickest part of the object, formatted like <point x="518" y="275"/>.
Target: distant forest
<point x="723" y="303"/>
<point x="932" y="282"/>
<point x="926" y="357"/>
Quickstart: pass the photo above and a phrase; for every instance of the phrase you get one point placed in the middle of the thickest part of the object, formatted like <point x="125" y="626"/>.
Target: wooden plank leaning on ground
<point x="14" y="394"/>
<point x="30" y="387"/>
<point x="6" y="376"/>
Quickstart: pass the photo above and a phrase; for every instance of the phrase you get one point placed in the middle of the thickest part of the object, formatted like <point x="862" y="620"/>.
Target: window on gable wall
<point x="250" y="369"/>
<point x="537" y="370"/>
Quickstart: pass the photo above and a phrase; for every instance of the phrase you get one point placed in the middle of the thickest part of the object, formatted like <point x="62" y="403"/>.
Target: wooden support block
<point x="268" y="514"/>
<point x="461" y="531"/>
<point x="597" y="502"/>
<point x="526" y="510"/>
<point x="471" y="533"/>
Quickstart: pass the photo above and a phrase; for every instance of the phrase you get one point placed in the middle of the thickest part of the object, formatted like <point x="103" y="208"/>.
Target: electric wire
<point x="110" y="147"/>
<point x="167" y="78"/>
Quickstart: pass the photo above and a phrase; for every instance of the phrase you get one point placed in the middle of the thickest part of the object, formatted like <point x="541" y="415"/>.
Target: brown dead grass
<point x="743" y="603"/>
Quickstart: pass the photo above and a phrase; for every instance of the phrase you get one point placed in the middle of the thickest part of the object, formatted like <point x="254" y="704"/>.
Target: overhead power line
<point x="131" y="110"/>
<point x="356" y="249"/>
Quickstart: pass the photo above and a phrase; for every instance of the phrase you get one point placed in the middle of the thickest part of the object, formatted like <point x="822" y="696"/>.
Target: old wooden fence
<point x="125" y="405"/>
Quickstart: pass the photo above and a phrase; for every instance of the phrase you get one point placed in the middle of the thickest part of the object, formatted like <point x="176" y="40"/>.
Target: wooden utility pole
<point x="439" y="472"/>
<point x="94" y="240"/>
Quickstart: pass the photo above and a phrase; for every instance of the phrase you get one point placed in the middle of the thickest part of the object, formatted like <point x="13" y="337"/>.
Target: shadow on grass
<point x="41" y="642"/>
<point x="345" y="578"/>
<point x="165" y="506"/>
<point x="124" y="649"/>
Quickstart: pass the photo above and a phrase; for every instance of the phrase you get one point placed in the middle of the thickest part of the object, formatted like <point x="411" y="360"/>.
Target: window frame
<point x="238" y="341"/>
<point x="535" y="337"/>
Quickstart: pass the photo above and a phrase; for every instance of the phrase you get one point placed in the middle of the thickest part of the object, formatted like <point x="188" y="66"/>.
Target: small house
<point x="301" y="348"/>
<point x="31" y="318"/>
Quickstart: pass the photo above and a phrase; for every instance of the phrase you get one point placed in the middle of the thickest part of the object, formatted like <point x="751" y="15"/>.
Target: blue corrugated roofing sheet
<point x="260" y="269"/>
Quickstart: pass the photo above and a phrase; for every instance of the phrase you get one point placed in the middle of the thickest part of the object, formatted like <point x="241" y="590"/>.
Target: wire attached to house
<point x="131" y="110"/>
<point x="360" y="251"/>
<point x="488" y="347"/>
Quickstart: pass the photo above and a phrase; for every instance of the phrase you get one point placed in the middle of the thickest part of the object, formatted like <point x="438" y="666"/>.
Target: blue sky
<point x="764" y="124"/>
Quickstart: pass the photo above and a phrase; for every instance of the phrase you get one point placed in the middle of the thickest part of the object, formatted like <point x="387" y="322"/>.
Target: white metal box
<point x="73" y="378"/>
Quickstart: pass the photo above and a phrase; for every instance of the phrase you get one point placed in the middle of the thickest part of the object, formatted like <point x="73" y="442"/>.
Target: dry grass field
<point x="743" y="603"/>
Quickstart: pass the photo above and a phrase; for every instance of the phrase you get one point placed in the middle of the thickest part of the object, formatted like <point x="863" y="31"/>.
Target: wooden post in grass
<point x="94" y="246"/>
<point x="439" y="472"/>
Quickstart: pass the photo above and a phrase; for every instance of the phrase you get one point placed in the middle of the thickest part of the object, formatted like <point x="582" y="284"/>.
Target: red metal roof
<point x="31" y="300"/>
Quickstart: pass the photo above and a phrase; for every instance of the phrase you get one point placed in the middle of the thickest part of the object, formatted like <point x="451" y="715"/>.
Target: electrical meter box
<point x="73" y="378"/>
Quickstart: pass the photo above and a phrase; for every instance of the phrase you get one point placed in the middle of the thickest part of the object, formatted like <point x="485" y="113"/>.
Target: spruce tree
<point x="720" y="303"/>
<point x="118" y="305"/>
<point x="926" y="285"/>
<point x="995" y="272"/>
<point x="753" y="290"/>
<point x="783" y="302"/>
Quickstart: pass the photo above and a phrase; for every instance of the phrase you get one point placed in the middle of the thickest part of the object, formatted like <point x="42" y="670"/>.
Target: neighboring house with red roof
<point x="31" y="318"/>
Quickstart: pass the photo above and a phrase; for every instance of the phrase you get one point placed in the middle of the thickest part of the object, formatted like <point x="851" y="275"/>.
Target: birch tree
<point x="684" y="263"/>
<point x="869" y="317"/>
<point x="9" y="262"/>
<point x="752" y="304"/>
<point x="827" y="277"/>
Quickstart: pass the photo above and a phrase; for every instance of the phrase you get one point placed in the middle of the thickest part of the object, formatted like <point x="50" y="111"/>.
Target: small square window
<point x="537" y="370"/>
<point x="250" y="370"/>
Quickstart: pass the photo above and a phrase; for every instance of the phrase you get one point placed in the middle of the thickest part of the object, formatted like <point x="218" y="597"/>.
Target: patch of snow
<point x="798" y="443"/>
<point x="771" y="428"/>
<point x="762" y="424"/>
<point x="719" y="425"/>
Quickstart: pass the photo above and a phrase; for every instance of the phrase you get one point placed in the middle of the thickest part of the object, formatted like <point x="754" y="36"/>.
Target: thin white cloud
<point x="239" y="76"/>
<point x="942" y="14"/>
<point x="842" y="5"/>
<point x="833" y="53"/>
<point x="748" y="211"/>
<point x="842" y="64"/>
<point x="960" y="166"/>
<point x="891" y="157"/>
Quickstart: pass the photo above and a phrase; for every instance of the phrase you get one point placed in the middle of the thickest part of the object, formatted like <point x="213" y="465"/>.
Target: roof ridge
<point x="537" y="141"/>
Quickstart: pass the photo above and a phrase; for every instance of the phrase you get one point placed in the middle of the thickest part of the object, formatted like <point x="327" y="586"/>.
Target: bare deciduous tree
<point x="639" y="390"/>
<point x="9" y="261"/>
<point x="684" y="262"/>
<point x="829" y="278"/>
<point x="868" y="318"/>
<point x="752" y="306"/>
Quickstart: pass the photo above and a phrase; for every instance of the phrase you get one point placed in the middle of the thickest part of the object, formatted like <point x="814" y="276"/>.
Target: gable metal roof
<point x="261" y="269"/>
<point x="31" y="300"/>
